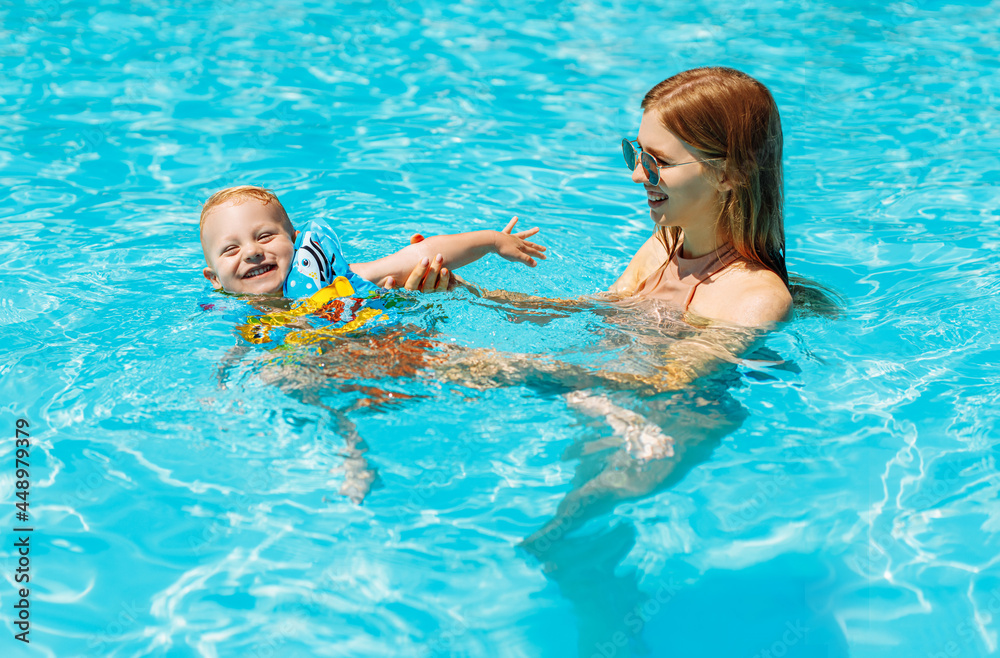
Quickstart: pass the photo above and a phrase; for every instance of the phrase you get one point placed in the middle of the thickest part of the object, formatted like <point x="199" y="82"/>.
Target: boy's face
<point x="248" y="248"/>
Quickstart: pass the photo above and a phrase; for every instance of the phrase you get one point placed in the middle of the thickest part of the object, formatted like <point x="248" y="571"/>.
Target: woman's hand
<point x="427" y="276"/>
<point x="514" y="247"/>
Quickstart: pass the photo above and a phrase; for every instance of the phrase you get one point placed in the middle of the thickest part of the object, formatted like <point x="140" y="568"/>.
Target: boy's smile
<point x="248" y="247"/>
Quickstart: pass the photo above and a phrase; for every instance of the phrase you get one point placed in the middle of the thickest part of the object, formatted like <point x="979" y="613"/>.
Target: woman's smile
<point x="656" y="198"/>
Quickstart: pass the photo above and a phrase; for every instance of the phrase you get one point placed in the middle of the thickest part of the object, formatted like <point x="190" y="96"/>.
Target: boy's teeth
<point x="257" y="270"/>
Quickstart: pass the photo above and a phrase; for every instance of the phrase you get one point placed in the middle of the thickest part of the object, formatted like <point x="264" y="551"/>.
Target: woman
<point x="708" y="154"/>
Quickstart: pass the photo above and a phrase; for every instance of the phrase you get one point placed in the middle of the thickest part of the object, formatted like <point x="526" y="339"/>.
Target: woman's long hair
<point x="726" y="114"/>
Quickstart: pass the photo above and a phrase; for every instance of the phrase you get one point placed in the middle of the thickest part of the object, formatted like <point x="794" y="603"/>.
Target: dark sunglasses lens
<point x="652" y="171"/>
<point x="629" y="153"/>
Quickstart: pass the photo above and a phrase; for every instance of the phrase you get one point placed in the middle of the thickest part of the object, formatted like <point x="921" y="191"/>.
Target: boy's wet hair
<point x="239" y="194"/>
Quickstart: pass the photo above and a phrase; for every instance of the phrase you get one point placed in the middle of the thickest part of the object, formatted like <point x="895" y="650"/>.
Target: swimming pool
<point x="182" y="505"/>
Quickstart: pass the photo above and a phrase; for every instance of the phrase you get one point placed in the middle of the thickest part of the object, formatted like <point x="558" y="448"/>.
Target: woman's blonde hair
<point x="726" y="114"/>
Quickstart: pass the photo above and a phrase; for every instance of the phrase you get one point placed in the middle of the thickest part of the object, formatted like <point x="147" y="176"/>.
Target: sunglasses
<point x="649" y="163"/>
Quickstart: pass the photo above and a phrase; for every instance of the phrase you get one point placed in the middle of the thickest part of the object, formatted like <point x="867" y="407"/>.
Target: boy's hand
<point x="514" y="247"/>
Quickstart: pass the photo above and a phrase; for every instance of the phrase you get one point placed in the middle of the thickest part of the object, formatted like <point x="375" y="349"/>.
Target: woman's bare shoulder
<point x="651" y="255"/>
<point x="749" y="295"/>
<point x="657" y="246"/>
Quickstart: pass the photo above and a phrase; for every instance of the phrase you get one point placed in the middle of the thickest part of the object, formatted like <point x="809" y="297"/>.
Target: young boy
<point x="251" y="247"/>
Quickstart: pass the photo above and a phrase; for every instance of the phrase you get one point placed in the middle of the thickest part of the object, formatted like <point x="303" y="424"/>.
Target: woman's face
<point x="687" y="196"/>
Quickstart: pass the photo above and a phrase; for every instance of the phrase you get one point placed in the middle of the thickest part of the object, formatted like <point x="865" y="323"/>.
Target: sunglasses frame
<point x="652" y="168"/>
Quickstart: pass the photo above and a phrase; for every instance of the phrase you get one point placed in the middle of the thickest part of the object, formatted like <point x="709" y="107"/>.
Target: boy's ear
<point x="210" y="275"/>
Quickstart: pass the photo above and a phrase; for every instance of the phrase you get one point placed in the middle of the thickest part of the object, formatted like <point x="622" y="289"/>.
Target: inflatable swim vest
<point x="318" y="262"/>
<point x="337" y="307"/>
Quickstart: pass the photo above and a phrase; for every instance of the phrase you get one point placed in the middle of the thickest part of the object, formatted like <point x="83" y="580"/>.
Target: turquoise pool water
<point x="184" y="503"/>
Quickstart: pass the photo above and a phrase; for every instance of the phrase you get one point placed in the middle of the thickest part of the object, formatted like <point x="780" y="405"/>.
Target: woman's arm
<point x="690" y="358"/>
<point x="520" y="299"/>
<point x="650" y="256"/>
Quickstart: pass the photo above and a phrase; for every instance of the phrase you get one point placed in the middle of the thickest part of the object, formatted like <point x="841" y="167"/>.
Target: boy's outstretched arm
<point x="456" y="251"/>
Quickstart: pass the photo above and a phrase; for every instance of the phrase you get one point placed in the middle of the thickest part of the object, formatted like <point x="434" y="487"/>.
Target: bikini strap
<point x="725" y="263"/>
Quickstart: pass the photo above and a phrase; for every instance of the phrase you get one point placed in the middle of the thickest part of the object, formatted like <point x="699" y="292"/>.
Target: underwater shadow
<point x="781" y="607"/>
